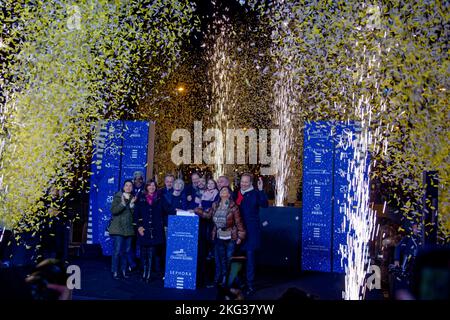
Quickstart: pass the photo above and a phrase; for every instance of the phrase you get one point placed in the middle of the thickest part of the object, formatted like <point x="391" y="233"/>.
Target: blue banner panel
<point x="317" y="196"/>
<point x="104" y="182"/>
<point x="134" y="151"/>
<point x="181" y="253"/>
<point x="120" y="150"/>
<point x="345" y="135"/>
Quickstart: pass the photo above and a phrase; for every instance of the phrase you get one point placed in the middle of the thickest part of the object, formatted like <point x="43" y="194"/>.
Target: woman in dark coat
<point x="249" y="201"/>
<point x="149" y="214"/>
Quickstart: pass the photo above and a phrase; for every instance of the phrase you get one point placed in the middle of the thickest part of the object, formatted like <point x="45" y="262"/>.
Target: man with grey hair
<point x="167" y="190"/>
<point x="138" y="190"/>
<point x="138" y="183"/>
<point x="222" y="181"/>
<point x="179" y="200"/>
<point x="167" y="193"/>
<point x="191" y="190"/>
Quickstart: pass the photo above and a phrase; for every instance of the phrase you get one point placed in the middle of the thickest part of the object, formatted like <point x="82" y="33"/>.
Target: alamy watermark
<point x="226" y="147"/>
<point x="374" y="279"/>
<point x="74" y="278"/>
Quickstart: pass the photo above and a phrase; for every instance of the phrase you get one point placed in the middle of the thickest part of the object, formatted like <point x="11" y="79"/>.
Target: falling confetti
<point x="67" y="67"/>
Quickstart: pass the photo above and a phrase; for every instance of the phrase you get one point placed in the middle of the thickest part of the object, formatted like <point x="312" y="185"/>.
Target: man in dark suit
<point x="249" y="201"/>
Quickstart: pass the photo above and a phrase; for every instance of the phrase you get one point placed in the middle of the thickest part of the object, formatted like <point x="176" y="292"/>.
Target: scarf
<point x="245" y="191"/>
<point x="150" y="198"/>
<point x="210" y="195"/>
<point x="240" y="195"/>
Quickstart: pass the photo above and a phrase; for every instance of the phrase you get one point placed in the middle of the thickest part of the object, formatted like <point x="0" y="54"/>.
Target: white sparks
<point x="223" y="95"/>
<point x="285" y="100"/>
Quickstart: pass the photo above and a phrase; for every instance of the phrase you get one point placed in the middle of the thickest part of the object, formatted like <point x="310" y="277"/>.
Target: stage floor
<point x="97" y="284"/>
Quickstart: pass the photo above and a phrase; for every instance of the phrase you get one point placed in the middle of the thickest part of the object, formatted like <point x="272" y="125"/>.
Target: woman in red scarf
<point x="149" y="220"/>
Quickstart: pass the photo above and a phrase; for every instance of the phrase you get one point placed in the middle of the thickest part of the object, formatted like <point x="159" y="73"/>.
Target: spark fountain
<point x="359" y="217"/>
<point x="221" y="69"/>
<point x="283" y="90"/>
<point x="6" y="110"/>
<point x="285" y="100"/>
<point x="359" y="220"/>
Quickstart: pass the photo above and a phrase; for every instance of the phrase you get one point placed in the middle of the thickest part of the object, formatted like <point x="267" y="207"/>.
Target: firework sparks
<point x="283" y="91"/>
<point x="222" y="95"/>
<point x="285" y="102"/>
<point x="359" y="216"/>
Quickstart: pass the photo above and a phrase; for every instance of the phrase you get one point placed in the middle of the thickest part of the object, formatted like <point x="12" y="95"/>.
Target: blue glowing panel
<point x="181" y="253"/>
<point x="344" y="139"/>
<point x="317" y="196"/>
<point x="134" y="151"/>
<point x="104" y="182"/>
<point x="120" y="150"/>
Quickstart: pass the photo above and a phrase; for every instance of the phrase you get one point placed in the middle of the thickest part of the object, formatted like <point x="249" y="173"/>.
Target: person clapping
<point x="121" y="228"/>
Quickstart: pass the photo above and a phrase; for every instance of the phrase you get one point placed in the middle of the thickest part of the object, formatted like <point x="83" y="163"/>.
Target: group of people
<point x="229" y="223"/>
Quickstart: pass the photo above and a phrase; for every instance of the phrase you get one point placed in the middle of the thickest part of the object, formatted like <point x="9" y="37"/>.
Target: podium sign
<point x="181" y="252"/>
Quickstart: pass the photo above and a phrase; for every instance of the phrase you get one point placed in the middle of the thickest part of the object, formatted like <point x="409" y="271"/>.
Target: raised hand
<point x="260" y="184"/>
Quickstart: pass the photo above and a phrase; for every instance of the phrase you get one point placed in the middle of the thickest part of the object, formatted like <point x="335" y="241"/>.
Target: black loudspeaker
<point x="280" y="237"/>
<point x="430" y="207"/>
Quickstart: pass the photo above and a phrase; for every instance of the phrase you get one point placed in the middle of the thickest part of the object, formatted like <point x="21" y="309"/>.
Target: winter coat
<point x="249" y="209"/>
<point x="233" y="221"/>
<point x="151" y="218"/>
<point x="122" y="217"/>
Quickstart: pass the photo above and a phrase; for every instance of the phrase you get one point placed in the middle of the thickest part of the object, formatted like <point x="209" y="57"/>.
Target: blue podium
<point x="181" y="252"/>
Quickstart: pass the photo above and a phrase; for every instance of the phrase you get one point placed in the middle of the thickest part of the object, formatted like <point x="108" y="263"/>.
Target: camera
<point x="49" y="271"/>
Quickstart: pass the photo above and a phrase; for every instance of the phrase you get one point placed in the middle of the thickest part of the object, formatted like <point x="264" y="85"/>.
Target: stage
<point x="271" y="284"/>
